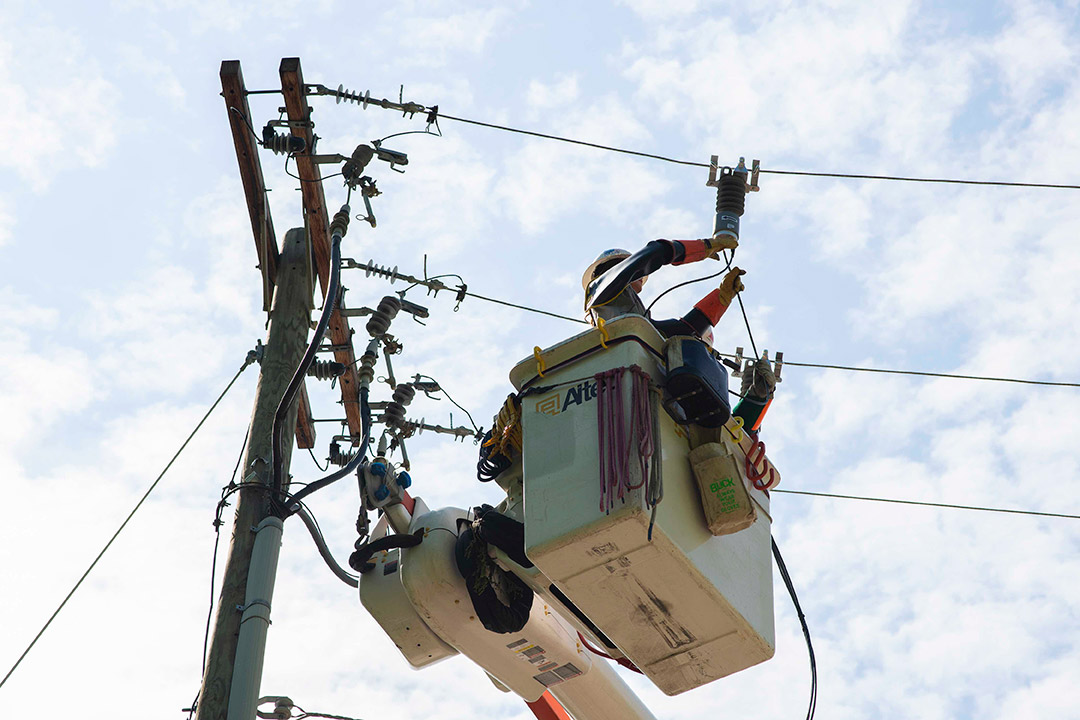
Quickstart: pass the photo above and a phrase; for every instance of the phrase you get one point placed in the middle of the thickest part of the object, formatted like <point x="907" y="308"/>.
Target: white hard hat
<point x="608" y="256"/>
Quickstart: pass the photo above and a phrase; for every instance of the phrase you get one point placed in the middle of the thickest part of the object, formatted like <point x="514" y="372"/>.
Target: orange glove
<point x="731" y="284"/>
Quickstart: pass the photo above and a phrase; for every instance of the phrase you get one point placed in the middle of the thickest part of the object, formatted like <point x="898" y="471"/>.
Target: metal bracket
<point x="754" y="172"/>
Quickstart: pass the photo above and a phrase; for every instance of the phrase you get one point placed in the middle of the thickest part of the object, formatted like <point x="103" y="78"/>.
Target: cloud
<point x="62" y="107"/>
<point x="7" y="221"/>
<point x="447" y="34"/>
<point x="558" y="94"/>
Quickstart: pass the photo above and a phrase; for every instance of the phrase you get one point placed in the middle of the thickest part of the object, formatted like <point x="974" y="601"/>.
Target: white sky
<point x="128" y="298"/>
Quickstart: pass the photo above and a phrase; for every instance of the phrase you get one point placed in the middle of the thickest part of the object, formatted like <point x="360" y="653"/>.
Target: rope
<point x="138" y="505"/>
<point x="618" y="439"/>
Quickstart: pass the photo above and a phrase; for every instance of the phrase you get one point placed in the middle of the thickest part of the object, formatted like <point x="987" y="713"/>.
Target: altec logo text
<point x="558" y="402"/>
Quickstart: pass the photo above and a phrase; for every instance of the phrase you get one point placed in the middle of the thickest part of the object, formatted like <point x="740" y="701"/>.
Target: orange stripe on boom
<point x="548" y="708"/>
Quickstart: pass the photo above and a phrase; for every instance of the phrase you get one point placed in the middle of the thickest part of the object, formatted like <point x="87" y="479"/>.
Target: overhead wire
<point x="213" y="565"/>
<point x="803" y="173"/>
<point x="917" y="373"/>
<point x="950" y="506"/>
<point x="130" y="515"/>
<point x="786" y="577"/>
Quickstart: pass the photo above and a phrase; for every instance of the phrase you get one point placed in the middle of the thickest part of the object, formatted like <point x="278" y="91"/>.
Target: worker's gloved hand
<point x="695" y="250"/>
<point x="731" y="284"/>
<point x="758" y="380"/>
<point x="723" y="242"/>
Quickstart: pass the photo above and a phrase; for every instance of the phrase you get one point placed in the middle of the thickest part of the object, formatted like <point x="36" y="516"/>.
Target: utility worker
<point x="612" y="283"/>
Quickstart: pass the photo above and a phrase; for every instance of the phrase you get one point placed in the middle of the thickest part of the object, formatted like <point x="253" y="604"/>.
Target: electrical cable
<point x="691" y="282"/>
<point x="365" y="415"/>
<point x="455" y="403"/>
<point x="917" y="373"/>
<point x="802" y="621"/>
<point x="324" y="551"/>
<point x="953" y="376"/>
<point x="856" y="176"/>
<point x="213" y="565"/>
<point x="527" y="308"/>
<point x="297" y="177"/>
<point x="738" y="296"/>
<point x="277" y="462"/>
<point x="316" y="461"/>
<point x="116" y="534"/>
<point x="949" y="506"/>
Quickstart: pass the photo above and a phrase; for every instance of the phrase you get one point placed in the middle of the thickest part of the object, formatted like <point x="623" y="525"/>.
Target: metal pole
<point x="285" y="345"/>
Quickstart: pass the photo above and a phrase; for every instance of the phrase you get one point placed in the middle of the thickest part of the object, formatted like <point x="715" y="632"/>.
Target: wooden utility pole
<point x="262" y="224"/>
<point x="285" y="345"/>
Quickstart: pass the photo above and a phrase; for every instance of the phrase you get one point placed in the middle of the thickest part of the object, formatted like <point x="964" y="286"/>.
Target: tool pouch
<point x="724" y="495"/>
<point x="696" y="387"/>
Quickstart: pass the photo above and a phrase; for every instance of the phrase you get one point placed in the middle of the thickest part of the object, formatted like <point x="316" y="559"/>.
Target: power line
<point x="248" y="361"/>
<point x="850" y="368"/>
<point x="950" y="506"/>
<point x="919" y="373"/>
<point x="676" y="161"/>
<point x="527" y="308"/>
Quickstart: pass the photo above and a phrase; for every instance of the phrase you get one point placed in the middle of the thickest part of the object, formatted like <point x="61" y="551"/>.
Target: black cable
<point x="949" y="506"/>
<point x="527" y="308"/>
<point x="856" y="176"/>
<point x="258" y="140"/>
<point x="459" y="407"/>
<point x="213" y="566"/>
<point x="691" y="282"/>
<point x="365" y="416"/>
<point x="315" y="460"/>
<point x="297" y="177"/>
<point x="573" y="141"/>
<point x="806" y="631"/>
<point x="126" y="521"/>
<point x="407" y="132"/>
<point x="277" y="462"/>
<point x="902" y="178"/>
<point x="919" y="373"/>
<point x="954" y="376"/>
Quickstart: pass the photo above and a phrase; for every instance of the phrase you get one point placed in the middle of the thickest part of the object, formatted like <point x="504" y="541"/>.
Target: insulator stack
<point x="326" y="369"/>
<point x="380" y="320"/>
<point x="382" y="271"/>
<point x="366" y="372"/>
<point x="341" y="459"/>
<point x="731" y="195"/>
<point x="282" y="144"/>
<point x="730" y="201"/>
<point x="404" y="394"/>
<point x="347" y="95"/>
<point x="340" y="224"/>
<point x="394" y="414"/>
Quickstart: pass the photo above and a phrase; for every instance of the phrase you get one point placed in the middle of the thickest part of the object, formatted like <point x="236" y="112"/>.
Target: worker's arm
<point x="708" y="310"/>
<point x="648" y="260"/>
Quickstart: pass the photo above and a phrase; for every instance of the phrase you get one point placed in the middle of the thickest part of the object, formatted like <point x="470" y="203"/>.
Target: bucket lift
<point x="610" y="535"/>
